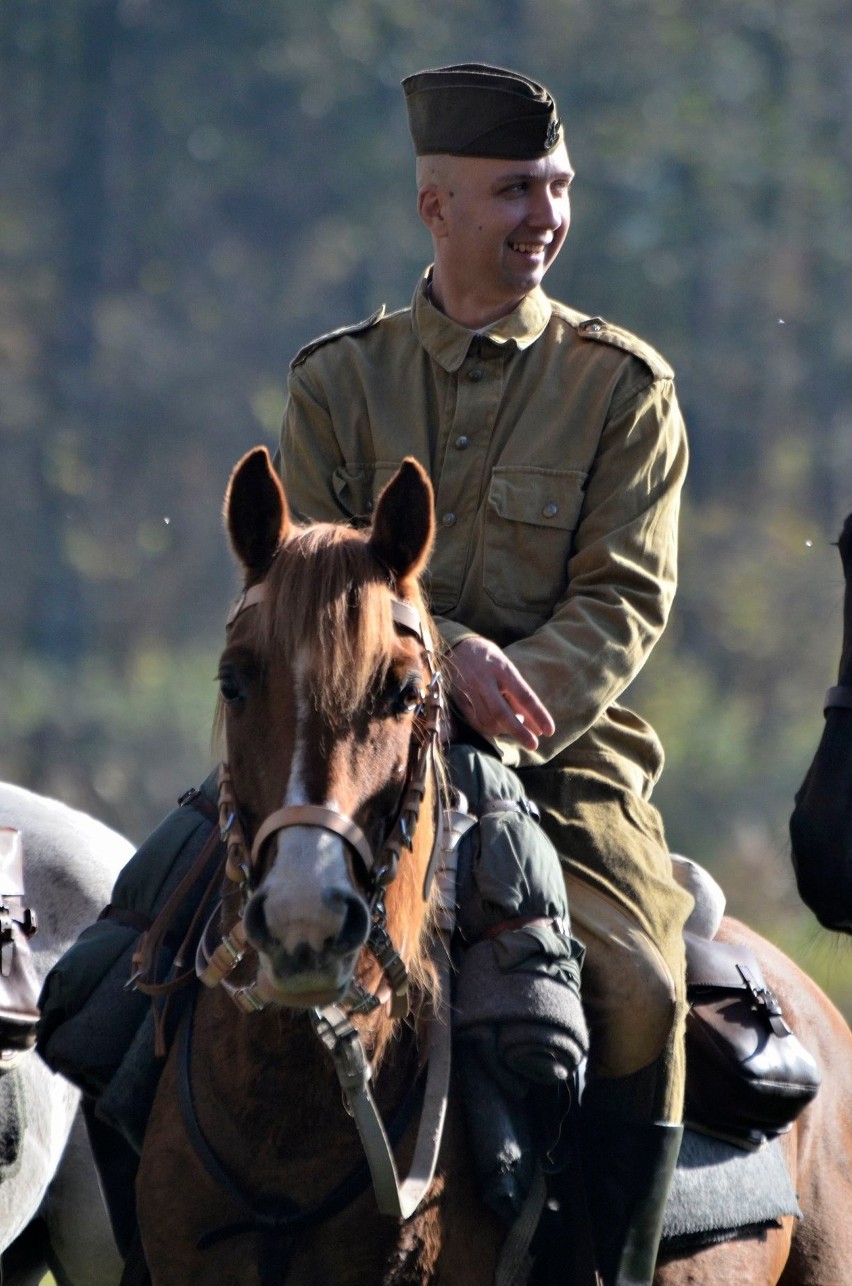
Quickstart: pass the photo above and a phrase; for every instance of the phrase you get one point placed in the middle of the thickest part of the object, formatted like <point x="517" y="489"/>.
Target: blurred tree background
<point x="190" y="191"/>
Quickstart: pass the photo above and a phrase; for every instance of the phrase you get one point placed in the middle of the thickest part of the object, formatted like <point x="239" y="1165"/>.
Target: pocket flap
<point x="539" y="497"/>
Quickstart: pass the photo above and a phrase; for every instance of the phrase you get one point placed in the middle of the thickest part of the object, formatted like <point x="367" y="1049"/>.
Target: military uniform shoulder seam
<point x="355" y="328"/>
<point x="603" y="332"/>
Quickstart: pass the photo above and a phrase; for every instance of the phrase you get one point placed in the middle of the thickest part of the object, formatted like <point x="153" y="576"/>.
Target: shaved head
<point x="434" y="171"/>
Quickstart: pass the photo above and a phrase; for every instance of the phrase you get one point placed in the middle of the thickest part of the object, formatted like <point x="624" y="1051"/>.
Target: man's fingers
<point x="528" y="710"/>
<point x="493" y="697"/>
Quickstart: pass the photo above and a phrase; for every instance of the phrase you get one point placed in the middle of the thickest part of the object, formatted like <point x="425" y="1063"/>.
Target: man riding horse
<point x="557" y="452"/>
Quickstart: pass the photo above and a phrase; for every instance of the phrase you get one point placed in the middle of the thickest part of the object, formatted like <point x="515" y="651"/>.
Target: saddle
<point x="19" y="986"/>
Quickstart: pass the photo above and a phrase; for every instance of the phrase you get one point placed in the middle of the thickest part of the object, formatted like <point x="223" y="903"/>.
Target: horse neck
<point x="262" y="1076"/>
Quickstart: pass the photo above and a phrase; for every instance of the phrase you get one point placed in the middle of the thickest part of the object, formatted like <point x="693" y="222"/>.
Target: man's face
<point x="501" y="225"/>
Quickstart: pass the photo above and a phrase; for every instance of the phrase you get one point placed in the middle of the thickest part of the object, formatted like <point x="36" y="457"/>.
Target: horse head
<point x="327" y="686"/>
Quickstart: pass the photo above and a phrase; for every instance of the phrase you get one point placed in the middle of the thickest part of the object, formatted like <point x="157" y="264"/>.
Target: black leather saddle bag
<point x="18" y="982"/>
<point x="747" y="1075"/>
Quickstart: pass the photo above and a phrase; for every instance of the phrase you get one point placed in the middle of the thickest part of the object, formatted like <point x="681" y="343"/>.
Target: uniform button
<point x="462" y="442"/>
<point x="476" y="374"/>
<point x="449" y="520"/>
<point x="550" y="511"/>
<point x="369" y="506"/>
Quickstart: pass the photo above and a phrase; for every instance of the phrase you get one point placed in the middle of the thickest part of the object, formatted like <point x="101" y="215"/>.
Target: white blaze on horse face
<point x="308" y="885"/>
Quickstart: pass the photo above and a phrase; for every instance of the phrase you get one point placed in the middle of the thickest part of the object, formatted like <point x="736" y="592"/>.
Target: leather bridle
<point x="215" y="960"/>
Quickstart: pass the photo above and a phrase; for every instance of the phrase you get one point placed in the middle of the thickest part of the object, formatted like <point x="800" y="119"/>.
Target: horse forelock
<point x="330" y="599"/>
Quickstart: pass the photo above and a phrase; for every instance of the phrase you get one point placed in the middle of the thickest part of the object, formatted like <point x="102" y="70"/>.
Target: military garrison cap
<point x="471" y="109"/>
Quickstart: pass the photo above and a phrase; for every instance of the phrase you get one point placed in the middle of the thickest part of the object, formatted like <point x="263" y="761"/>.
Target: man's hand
<point x="492" y="697"/>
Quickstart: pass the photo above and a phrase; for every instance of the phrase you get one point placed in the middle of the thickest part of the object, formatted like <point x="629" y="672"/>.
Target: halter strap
<point x="250" y="597"/>
<point x="327" y="819"/>
<point x="216" y="959"/>
<point x="405" y="615"/>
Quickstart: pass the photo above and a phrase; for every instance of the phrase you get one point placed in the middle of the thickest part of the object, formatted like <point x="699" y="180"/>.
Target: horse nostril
<point x="255" y="920"/>
<point x="304" y="958"/>
<point x="355" y="928"/>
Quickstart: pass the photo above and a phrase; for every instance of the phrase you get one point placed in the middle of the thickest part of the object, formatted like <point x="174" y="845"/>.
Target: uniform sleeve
<point x="621" y="573"/>
<point x="308" y="455"/>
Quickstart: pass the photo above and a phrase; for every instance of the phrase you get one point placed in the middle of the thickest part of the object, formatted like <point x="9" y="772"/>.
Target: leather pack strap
<point x="522" y="805"/>
<point x="147" y="953"/>
<point x="521" y="922"/>
<point x="718" y="966"/>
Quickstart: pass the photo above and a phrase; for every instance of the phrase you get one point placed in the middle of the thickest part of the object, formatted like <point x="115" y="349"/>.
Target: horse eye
<point x="229" y="686"/>
<point x="408" y="699"/>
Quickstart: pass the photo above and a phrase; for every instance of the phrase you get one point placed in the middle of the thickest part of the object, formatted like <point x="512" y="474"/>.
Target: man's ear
<point x="430" y="207"/>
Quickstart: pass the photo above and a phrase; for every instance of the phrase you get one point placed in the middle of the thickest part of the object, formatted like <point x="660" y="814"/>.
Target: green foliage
<point x="191" y="191"/>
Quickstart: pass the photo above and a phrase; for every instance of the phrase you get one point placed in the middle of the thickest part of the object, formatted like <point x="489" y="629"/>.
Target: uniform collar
<point x="448" y="343"/>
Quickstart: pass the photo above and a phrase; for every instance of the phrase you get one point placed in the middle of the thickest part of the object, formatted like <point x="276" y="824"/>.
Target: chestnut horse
<point x="326" y="696"/>
<point x="252" y="1171"/>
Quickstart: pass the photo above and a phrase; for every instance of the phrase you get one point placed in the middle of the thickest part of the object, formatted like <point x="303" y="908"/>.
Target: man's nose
<point x="546" y="210"/>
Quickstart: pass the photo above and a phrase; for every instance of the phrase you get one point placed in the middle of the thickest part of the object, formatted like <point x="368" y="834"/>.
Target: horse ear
<point x="256" y="512"/>
<point x="404" y="521"/>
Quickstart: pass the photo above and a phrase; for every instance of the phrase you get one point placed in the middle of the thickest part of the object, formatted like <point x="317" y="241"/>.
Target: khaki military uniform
<point x="557" y="451"/>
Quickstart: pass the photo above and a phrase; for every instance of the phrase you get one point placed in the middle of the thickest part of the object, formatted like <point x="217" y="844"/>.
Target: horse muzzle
<point x="307" y="961"/>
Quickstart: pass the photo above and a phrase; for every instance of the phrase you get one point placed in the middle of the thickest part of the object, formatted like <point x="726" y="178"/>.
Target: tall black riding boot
<point x="628" y="1169"/>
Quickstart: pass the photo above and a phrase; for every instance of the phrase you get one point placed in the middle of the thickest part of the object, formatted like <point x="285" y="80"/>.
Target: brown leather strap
<point x="520" y="922"/>
<point x="150" y="944"/>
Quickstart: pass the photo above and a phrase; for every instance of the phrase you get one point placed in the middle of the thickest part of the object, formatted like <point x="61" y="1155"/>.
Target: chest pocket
<point x="530" y="521"/>
<point x="357" y="487"/>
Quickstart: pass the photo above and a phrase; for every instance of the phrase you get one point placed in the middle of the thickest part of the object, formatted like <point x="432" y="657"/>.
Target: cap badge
<point x="551" y="138"/>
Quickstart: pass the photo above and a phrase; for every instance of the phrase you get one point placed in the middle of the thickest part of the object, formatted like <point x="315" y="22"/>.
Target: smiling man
<point x="557" y="452"/>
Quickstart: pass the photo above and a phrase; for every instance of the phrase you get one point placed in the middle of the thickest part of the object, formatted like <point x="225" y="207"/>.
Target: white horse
<point x="70" y="865"/>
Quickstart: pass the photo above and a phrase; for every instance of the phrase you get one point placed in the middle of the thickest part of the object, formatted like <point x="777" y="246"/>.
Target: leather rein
<point x="218" y="955"/>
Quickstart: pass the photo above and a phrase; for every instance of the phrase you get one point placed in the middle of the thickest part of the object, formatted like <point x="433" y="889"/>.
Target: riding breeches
<point x="629" y="912"/>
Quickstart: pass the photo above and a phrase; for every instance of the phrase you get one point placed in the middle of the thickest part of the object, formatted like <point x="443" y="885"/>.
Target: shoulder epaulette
<point x="356" y="328"/>
<point x="605" y="333"/>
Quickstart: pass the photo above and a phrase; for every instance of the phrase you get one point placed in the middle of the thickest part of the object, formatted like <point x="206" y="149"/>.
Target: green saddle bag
<point x="90" y="1016"/>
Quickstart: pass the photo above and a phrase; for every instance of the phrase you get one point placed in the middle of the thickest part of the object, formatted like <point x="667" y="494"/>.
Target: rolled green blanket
<point x="518" y="985"/>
